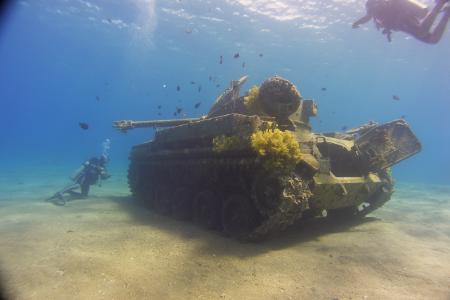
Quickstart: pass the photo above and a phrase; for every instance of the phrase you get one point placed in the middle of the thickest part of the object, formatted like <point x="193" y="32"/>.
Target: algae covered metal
<point x="252" y="166"/>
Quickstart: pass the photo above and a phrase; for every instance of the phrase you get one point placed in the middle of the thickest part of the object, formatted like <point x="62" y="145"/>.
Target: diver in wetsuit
<point x="408" y="16"/>
<point x="88" y="174"/>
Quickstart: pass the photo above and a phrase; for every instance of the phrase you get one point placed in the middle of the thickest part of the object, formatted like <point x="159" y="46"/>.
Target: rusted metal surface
<point x="346" y="174"/>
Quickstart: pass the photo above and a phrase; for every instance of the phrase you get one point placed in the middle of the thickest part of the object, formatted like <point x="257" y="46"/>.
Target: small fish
<point x="192" y="82"/>
<point x="97" y="98"/>
<point x="344" y="128"/>
<point x="178" y="88"/>
<point x="243" y="64"/>
<point x="217" y="85"/>
<point x="175" y="114"/>
<point x="199" y="88"/>
<point x="324" y="89"/>
<point x="83" y="125"/>
<point x="221" y="59"/>
<point x="261" y="55"/>
<point x="402" y="116"/>
<point x="159" y="106"/>
<point x="395" y="97"/>
<point x="197" y="105"/>
<point x="179" y="110"/>
<point x="159" y="114"/>
<point x="109" y="20"/>
<point x="210" y="77"/>
<point x="236" y="55"/>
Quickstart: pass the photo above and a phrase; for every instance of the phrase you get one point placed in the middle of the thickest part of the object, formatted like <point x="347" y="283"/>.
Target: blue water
<point x="57" y="57"/>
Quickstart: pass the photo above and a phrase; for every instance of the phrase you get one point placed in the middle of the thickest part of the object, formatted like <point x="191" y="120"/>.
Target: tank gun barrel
<point x="125" y="125"/>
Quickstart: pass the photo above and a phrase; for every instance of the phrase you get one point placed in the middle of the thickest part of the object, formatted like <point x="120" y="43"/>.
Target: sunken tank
<point x="252" y="166"/>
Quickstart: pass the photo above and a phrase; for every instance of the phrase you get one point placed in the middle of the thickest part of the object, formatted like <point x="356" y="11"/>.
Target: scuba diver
<point x="88" y="174"/>
<point x="409" y="16"/>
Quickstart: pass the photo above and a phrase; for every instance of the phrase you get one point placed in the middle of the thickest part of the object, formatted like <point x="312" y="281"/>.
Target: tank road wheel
<point x="133" y="179"/>
<point x="239" y="216"/>
<point x="148" y="196"/>
<point x="161" y="200"/>
<point x="147" y="186"/>
<point x="181" y="203"/>
<point x="266" y="191"/>
<point x="207" y="209"/>
<point x="141" y="185"/>
<point x="136" y="181"/>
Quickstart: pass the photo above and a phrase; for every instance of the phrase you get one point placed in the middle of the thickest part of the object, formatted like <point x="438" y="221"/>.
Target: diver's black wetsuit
<point x="89" y="174"/>
<point x="404" y="15"/>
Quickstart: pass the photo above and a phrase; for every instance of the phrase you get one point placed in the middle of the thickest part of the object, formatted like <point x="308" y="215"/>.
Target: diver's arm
<point x="361" y="21"/>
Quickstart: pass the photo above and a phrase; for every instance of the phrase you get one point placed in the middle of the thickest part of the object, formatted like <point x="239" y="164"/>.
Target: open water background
<point x="68" y="61"/>
<point x="58" y="57"/>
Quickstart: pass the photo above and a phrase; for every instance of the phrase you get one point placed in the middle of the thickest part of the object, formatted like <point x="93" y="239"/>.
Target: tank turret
<point x="252" y="166"/>
<point x="276" y="97"/>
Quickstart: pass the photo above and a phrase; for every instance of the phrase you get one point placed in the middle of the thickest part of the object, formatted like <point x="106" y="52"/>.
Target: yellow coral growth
<point x="251" y="100"/>
<point x="224" y="143"/>
<point x="279" y="149"/>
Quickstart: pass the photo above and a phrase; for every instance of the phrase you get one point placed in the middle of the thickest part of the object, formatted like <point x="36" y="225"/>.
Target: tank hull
<point x="180" y="174"/>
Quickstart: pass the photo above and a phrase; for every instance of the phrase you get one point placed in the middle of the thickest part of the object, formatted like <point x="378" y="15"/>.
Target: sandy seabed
<point x="106" y="247"/>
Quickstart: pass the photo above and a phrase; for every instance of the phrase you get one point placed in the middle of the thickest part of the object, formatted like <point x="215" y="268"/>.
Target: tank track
<point x="234" y="196"/>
